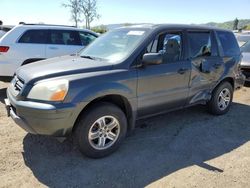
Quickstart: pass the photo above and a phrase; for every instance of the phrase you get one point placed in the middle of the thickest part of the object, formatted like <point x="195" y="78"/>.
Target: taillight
<point x="4" y="48"/>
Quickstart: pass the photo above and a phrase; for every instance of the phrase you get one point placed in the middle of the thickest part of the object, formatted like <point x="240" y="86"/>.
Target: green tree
<point x="236" y="23"/>
<point x="246" y="27"/>
<point x="100" y="29"/>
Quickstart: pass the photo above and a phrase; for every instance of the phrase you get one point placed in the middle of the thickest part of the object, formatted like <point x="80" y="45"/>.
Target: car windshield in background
<point x="4" y="30"/>
<point x="2" y="33"/>
<point x="242" y="39"/>
<point x="246" y="47"/>
<point x="115" y="45"/>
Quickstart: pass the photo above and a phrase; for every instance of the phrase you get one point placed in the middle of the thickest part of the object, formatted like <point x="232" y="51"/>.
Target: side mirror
<point x="152" y="59"/>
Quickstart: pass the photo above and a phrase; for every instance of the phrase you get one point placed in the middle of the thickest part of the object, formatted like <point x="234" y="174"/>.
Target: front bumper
<point x="44" y="119"/>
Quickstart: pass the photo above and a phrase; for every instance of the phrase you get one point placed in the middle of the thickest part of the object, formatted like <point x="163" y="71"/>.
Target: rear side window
<point x="34" y="36"/>
<point x="86" y="38"/>
<point x="228" y="43"/>
<point x="64" y="37"/>
<point x="199" y="44"/>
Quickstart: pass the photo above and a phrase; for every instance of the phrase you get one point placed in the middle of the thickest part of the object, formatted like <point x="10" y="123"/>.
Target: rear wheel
<point x="221" y="99"/>
<point x="101" y="130"/>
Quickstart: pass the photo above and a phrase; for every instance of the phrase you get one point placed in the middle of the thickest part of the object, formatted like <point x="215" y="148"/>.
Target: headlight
<point x="50" y="90"/>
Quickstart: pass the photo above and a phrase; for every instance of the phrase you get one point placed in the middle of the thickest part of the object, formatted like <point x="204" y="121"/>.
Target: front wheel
<point x="221" y="99"/>
<point x="101" y="130"/>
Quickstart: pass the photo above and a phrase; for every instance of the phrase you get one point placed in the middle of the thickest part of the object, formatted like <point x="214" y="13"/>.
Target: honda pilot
<point x="125" y="75"/>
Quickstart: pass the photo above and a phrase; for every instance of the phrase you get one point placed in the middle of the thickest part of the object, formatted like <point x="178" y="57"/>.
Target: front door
<point x="165" y="86"/>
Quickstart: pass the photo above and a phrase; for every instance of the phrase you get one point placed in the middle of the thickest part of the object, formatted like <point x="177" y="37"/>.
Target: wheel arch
<point x="120" y="101"/>
<point x="227" y="79"/>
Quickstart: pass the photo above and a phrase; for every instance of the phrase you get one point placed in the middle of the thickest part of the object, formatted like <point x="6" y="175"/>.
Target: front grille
<point x="17" y="84"/>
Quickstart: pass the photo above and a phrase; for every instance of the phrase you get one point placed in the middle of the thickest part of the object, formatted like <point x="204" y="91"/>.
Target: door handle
<point x="217" y="65"/>
<point x="53" y="48"/>
<point x="182" y="70"/>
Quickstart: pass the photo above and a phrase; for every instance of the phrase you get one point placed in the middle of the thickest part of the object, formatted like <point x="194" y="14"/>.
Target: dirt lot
<point x="187" y="148"/>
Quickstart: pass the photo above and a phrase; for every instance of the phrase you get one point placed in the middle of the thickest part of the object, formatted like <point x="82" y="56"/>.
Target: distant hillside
<point x="229" y="24"/>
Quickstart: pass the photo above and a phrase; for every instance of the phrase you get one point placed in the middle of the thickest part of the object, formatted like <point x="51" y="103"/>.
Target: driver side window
<point x="169" y="45"/>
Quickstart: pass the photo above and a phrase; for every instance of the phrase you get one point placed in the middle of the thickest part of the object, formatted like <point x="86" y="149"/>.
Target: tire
<point x="94" y="132"/>
<point x="223" y="92"/>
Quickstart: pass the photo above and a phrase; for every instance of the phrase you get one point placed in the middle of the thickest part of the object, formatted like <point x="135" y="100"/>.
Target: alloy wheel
<point x="104" y="132"/>
<point x="224" y="99"/>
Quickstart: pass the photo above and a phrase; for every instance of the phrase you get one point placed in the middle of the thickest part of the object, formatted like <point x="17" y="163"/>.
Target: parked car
<point x="242" y="38"/>
<point x="2" y="33"/>
<point x="28" y="43"/>
<point x="125" y="75"/>
<point x="245" y="64"/>
<point x="4" y="29"/>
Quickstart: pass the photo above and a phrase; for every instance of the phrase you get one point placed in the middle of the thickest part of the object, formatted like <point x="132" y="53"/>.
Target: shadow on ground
<point x="163" y="145"/>
<point x="247" y="84"/>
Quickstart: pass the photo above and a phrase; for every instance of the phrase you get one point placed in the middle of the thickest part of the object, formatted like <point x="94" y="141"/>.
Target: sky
<point x="127" y="11"/>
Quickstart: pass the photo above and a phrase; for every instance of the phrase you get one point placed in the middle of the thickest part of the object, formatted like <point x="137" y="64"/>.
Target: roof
<point x="47" y="26"/>
<point x="176" y="26"/>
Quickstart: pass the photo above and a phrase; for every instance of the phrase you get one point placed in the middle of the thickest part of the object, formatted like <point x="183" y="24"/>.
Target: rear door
<point x="207" y="65"/>
<point x="63" y="42"/>
<point x="31" y="45"/>
<point x="165" y="86"/>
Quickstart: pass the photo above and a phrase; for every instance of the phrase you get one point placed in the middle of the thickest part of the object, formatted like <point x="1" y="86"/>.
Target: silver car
<point x="245" y="64"/>
<point x="4" y="29"/>
<point x="242" y="38"/>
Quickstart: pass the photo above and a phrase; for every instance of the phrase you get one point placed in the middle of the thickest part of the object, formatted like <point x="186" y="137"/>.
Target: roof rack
<point x="46" y="24"/>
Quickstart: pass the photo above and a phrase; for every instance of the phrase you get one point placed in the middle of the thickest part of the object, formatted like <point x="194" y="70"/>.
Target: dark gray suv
<point x="125" y="75"/>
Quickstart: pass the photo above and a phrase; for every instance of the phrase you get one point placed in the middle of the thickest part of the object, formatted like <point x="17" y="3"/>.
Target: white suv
<point x="33" y="42"/>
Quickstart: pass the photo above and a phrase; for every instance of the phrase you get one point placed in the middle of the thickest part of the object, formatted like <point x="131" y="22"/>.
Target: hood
<point x="60" y="66"/>
<point x="246" y="59"/>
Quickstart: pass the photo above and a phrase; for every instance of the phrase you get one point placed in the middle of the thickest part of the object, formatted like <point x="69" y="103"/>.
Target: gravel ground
<point x="187" y="148"/>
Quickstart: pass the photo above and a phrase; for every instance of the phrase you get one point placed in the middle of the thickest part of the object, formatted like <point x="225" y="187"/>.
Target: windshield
<point x="114" y="46"/>
<point x="246" y="47"/>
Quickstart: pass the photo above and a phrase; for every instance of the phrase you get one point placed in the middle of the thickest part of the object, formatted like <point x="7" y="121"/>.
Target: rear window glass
<point x="64" y="37"/>
<point x="34" y="36"/>
<point x="228" y="43"/>
<point x="200" y="44"/>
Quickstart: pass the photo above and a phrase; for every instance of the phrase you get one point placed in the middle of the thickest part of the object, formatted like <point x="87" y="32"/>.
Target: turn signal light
<point x="59" y="95"/>
<point x="4" y="48"/>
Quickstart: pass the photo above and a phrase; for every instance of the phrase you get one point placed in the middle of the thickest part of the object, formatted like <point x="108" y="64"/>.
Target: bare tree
<point x="89" y="10"/>
<point x="75" y="10"/>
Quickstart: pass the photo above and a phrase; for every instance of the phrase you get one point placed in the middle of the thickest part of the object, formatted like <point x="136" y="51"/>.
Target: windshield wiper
<point x="87" y="57"/>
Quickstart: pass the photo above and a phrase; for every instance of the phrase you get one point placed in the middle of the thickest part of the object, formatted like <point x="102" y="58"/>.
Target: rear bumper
<point x="7" y="68"/>
<point x="44" y="119"/>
